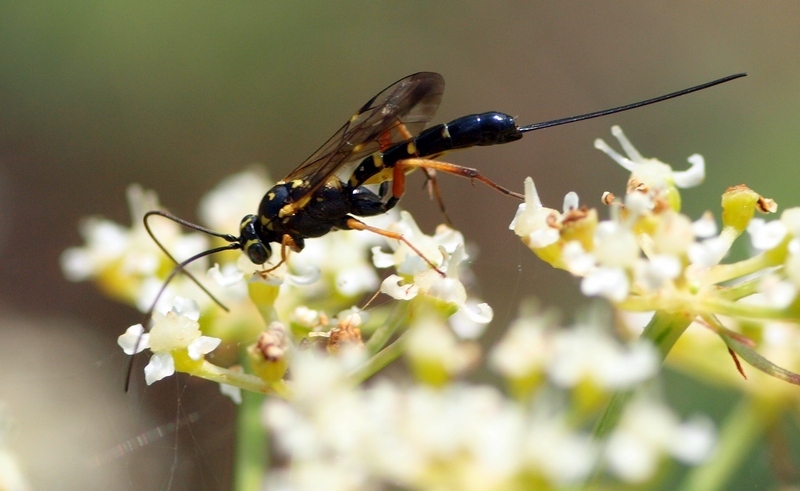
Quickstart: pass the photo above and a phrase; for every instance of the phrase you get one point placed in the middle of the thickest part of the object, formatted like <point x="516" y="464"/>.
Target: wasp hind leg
<point x="400" y="168"/>
<point x="350" y="223"/>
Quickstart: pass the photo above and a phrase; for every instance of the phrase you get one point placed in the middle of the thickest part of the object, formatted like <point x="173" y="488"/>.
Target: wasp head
<point x="255" y="248"/>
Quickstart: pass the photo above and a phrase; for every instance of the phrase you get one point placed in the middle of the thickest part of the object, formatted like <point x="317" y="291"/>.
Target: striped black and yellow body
<point x="381" y="143"/>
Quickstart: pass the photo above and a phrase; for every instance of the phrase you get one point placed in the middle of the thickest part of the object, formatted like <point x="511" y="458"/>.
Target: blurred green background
<point x="177" y="95"/>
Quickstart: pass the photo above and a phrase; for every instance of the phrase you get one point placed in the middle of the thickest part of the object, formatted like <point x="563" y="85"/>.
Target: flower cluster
<point x="650" y="257"/>
<point x="577" y="401"/>
<point x="459" y="436"/>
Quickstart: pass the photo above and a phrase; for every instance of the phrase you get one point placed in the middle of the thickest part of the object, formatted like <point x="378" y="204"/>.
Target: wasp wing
<point x="403" y="108"/>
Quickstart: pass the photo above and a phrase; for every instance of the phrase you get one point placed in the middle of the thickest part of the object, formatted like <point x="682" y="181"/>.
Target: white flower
<point x="126" y="260"/>
<point x="415" y="437"/>
<point x="175" y="330"/>
<point x="705" y="226"/>
<point x="427" y="281"/>
<point x="585" y="353"/>
<point x="429" y="341"/>
<point x="237" y="195"/>
<point x="615" y="245"/>
<point x="652" y="172"/>
<point x="343" y="261"/>
<point x="435" y="248"/>
<point x="766" y="235"/>
<point x="647" y="431"/>
<point x="709" y="252"/>
<point x="553" y="450"/>
<point x="135" y="340"/>
<point x="578" y="261"/>
<point x="654" y="272"/>
<point x="791" y="219"/>
<point x="535" y="222"/>
<point x="235" y="393"/>
<point x="525" y="349"/>
<point x="675" y="234"/>
<point x="611" y="283"/>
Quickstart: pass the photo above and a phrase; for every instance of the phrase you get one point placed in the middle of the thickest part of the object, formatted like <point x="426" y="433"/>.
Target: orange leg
<point x="432" y="184"/>
<point x="354" y="224"/>
<point x="398" y="185"/>
<point x="287" y="243"/>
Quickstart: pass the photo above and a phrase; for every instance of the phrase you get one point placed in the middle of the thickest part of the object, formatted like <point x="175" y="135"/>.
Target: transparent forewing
<point x="400" y="110"/>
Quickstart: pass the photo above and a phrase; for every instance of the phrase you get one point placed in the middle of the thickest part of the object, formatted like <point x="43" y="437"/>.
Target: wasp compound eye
<point x="258" y="252"/>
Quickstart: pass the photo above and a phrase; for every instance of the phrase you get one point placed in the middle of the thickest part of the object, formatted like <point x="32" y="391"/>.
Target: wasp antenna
<point x="627" y="107"/>
<point x="181" y="267"/>
<point x="177" y="269"/>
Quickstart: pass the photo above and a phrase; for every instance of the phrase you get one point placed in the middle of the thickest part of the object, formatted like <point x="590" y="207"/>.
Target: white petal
<point x="391" y="286"/>
<point x="448" y="289"/>
<point x="186" y="307"/>
<point x="611" y="283"/>
<point x="235" y="393"/>
<point x="578" y="261"/>
<point x="630" y="458"/>
<point x="202" y="346"/>
<point x="228" y="277"/>
<point x="77" y="265"/>
<point x="520" y="211"/>
<point x="134" y="339"/>
<point x="543" y="237"/>
<point x="626" y="164"/>
<point x="768" y="236"/>
<point x="791" y="218"/>
<point x="694" y="175"/>
<point x="161" y="365"/>
<point x="694" y="441"/>
<point x="571" y="201"/>
<point x="705" y="226"/>
<point x="655" y="271"/>
<point x="483" y="315"/>
<point x="307" y="276"/>
<point x="708" y="252"/>
<point x="382" y="259"/>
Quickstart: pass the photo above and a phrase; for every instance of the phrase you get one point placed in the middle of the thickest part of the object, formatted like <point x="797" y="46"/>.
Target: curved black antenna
<point x="606" y="112"/>
<point x="181" y="221"/>
<point x="177" y="269"/>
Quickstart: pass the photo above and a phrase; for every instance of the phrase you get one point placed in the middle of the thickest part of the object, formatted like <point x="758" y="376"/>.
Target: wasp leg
<point x="398" y="180"/>
<point x="351" y="223"/>
<point x="287" y="243"/>
<point x="432" y="185"/>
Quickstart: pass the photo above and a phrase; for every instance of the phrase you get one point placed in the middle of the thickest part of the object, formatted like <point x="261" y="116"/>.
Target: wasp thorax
<point x="252" y="245"/>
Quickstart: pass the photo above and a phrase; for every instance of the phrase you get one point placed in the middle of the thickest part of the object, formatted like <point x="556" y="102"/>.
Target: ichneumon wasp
<point x="383" y="141"/>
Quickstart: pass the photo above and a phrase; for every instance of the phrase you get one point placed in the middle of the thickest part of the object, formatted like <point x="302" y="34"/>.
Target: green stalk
<point x="251" y="459"/>
<point x="663" y="331"/>
<point x="378" y="361"/>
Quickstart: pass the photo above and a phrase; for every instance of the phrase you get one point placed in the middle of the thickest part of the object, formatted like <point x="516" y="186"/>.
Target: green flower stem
<point x="710" y="303"/>
<point x="726" y="272"/>
<point x="716" y="305"/>
<point x="663" y="331"/>
<point x="382" y="335"/>
<point x="245" y="381"/>
<point x="251" y="459"/>
<point x="740" y="290"/>
<point x="380" y="360"/>
<point x="746" y="423"/>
